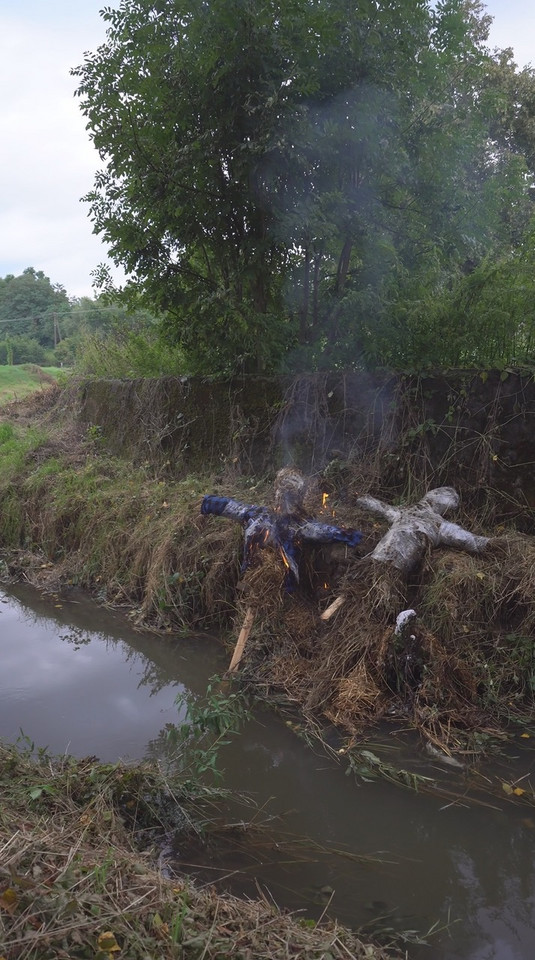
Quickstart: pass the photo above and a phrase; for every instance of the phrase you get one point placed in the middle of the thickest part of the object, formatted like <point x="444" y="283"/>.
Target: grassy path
<point x="19" y="381"/>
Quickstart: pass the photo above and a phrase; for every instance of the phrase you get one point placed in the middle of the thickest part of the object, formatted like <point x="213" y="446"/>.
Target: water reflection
<point x="101" y="690"/>
<point x="79" y="678"/>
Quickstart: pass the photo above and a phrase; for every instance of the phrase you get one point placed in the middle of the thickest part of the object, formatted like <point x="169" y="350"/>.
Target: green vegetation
<point x="76" y="879"/>
<point x="17" y="382"/>
<point x="295" y="185"/>
<point x="39" y="325"/>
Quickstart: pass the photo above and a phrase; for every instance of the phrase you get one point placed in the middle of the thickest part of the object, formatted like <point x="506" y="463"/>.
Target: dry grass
<point x="137" y="538"/>
<point x="74" y="883"/>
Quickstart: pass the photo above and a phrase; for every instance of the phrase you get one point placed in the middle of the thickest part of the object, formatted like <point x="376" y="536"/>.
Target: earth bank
<point x="101" y="485"/>
<point x="81" y="504"/>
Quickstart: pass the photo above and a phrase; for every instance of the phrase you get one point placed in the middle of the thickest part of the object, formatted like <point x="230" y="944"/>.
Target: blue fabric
<point x="284" y="532"/>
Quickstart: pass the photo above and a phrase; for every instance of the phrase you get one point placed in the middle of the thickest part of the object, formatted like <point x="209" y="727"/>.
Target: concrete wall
<point x="475" y="431"/>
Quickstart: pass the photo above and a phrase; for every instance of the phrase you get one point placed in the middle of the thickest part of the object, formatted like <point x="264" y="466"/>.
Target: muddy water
<point x="76" y="678"/>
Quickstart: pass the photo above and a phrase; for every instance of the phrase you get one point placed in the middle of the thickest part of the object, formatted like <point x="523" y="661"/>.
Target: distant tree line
<point x="40" y="323"/>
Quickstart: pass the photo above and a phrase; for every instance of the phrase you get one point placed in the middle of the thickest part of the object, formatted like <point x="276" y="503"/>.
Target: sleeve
<point x="226" y="507"/>
<point x="327" y="533"/>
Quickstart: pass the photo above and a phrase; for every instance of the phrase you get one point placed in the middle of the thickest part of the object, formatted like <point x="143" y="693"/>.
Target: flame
<point x="324" y="498"/>
<point x="325" y="586"/>
<point x="284" y="559"/>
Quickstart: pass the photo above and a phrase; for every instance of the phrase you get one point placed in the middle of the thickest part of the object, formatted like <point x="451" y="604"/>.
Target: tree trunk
<point x="303" y="311"/>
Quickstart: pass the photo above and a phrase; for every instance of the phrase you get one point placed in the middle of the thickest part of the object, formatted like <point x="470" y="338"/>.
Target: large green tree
<point x="275" y="174"/>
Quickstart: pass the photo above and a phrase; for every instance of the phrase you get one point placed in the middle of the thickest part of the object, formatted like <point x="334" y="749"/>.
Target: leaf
<point x="507" y="788"/>
<point x="107" y="943"/>
<point x="8" y="900"/>
<point x="525" y="736"/>
<point x="518" y="791"/>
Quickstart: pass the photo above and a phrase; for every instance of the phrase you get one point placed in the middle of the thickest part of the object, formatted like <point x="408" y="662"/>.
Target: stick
<point x="242" y="639"/>
<point x="332" y="608"/>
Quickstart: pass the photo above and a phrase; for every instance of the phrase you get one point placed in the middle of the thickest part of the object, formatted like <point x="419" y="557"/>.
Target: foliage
<point x="24" y="349"/>
<point x="29" y="306"/>
<point x="280" y="177"/>
<point x="483" y="319"/>
<point x="208" y="724"/>
<point x="41" y="325"/>
<point x="124" y="352"/>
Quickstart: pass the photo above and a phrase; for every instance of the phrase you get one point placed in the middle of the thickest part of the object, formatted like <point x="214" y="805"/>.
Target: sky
<point x="47" y="162"/>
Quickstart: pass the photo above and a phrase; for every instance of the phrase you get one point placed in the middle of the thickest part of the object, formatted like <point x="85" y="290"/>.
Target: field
<point x="19" y="381"/>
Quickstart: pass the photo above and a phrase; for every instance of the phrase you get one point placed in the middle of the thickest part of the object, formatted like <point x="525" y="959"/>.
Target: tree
<point x="29" y="305"/>
<point x="273" y="173"/>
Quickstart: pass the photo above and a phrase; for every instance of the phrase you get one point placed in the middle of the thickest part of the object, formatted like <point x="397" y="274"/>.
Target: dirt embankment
<point x="82" y="505"/>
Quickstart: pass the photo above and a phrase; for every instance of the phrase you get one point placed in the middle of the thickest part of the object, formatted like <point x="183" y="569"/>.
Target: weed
<point x="208" y="724"/>
<point x="76" y="884"/>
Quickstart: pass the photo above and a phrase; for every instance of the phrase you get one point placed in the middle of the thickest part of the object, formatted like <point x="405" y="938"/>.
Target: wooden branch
<point x="332" y="608"/>
<point x="242" y="639"/>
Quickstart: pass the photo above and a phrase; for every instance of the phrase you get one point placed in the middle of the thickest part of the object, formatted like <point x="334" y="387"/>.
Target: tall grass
<point x="125" y="353"/>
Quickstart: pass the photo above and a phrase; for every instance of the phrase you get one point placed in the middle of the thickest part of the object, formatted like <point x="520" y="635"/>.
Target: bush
<point x="24" y="350"/>
<point x="126" y="353"/>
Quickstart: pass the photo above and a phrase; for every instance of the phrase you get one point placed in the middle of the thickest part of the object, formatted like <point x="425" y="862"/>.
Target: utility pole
<point x="57" y="334"/>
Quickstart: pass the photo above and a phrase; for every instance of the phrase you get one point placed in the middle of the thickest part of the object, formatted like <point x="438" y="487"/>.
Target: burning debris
<point x="284" y="529"/>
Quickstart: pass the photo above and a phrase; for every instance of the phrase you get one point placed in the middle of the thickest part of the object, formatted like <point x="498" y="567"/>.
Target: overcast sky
<point x="46" y="160"/>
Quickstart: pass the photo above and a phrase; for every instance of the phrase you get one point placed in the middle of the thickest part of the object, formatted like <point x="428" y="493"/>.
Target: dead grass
<point x="74" y="882"/>
<point x="135" y="537"/>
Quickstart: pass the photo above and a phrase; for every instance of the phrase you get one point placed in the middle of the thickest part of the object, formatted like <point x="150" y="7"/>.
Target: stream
<point x="78" y="678"/>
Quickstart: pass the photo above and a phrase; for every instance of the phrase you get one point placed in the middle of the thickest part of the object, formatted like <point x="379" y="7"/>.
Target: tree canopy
<point x="279" y="179"/>
<point x="30" y="305"/>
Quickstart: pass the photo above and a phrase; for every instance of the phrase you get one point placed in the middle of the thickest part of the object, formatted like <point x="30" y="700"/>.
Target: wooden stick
<point x="242" y="639"/>
<point x="332" y="608"/>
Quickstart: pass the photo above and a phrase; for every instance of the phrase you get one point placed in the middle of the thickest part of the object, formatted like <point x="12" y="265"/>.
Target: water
<point x="78" y="678"/>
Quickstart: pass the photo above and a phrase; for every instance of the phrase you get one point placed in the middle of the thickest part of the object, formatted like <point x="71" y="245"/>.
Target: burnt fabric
<point x="282" y="531"/>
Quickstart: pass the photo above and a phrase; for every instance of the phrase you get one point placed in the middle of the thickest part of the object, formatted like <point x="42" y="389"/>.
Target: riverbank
<point x="72" y="514"/>
<point x="132" y="533"/>
<point x="78" y="873"/>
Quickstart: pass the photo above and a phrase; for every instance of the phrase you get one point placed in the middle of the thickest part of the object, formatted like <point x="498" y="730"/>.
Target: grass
<point x="19" y="381"/>
<point x="78" y="883"/>
<point x="71" y="513"/>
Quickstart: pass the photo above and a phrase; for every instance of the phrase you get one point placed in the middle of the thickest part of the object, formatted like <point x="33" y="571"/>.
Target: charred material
<point x="284" y="529"/>
<point x="282" y="532"/>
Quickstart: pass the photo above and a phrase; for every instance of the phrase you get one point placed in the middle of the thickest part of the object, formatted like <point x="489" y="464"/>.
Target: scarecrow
<point x="414" y="530"/>
<point x="285" y="529"/>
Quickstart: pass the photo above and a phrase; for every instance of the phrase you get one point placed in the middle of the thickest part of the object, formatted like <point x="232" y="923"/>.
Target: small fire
<point x="324" y="504"/>
<point x="284" y="559"/>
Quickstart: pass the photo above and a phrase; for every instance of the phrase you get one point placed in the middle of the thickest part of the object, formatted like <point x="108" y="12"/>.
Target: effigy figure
<point x="416" y="528"/>
<point x="284" y="528"/>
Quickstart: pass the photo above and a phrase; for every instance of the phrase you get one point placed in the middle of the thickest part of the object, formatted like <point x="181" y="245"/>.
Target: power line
<point x="61" y="316"/>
